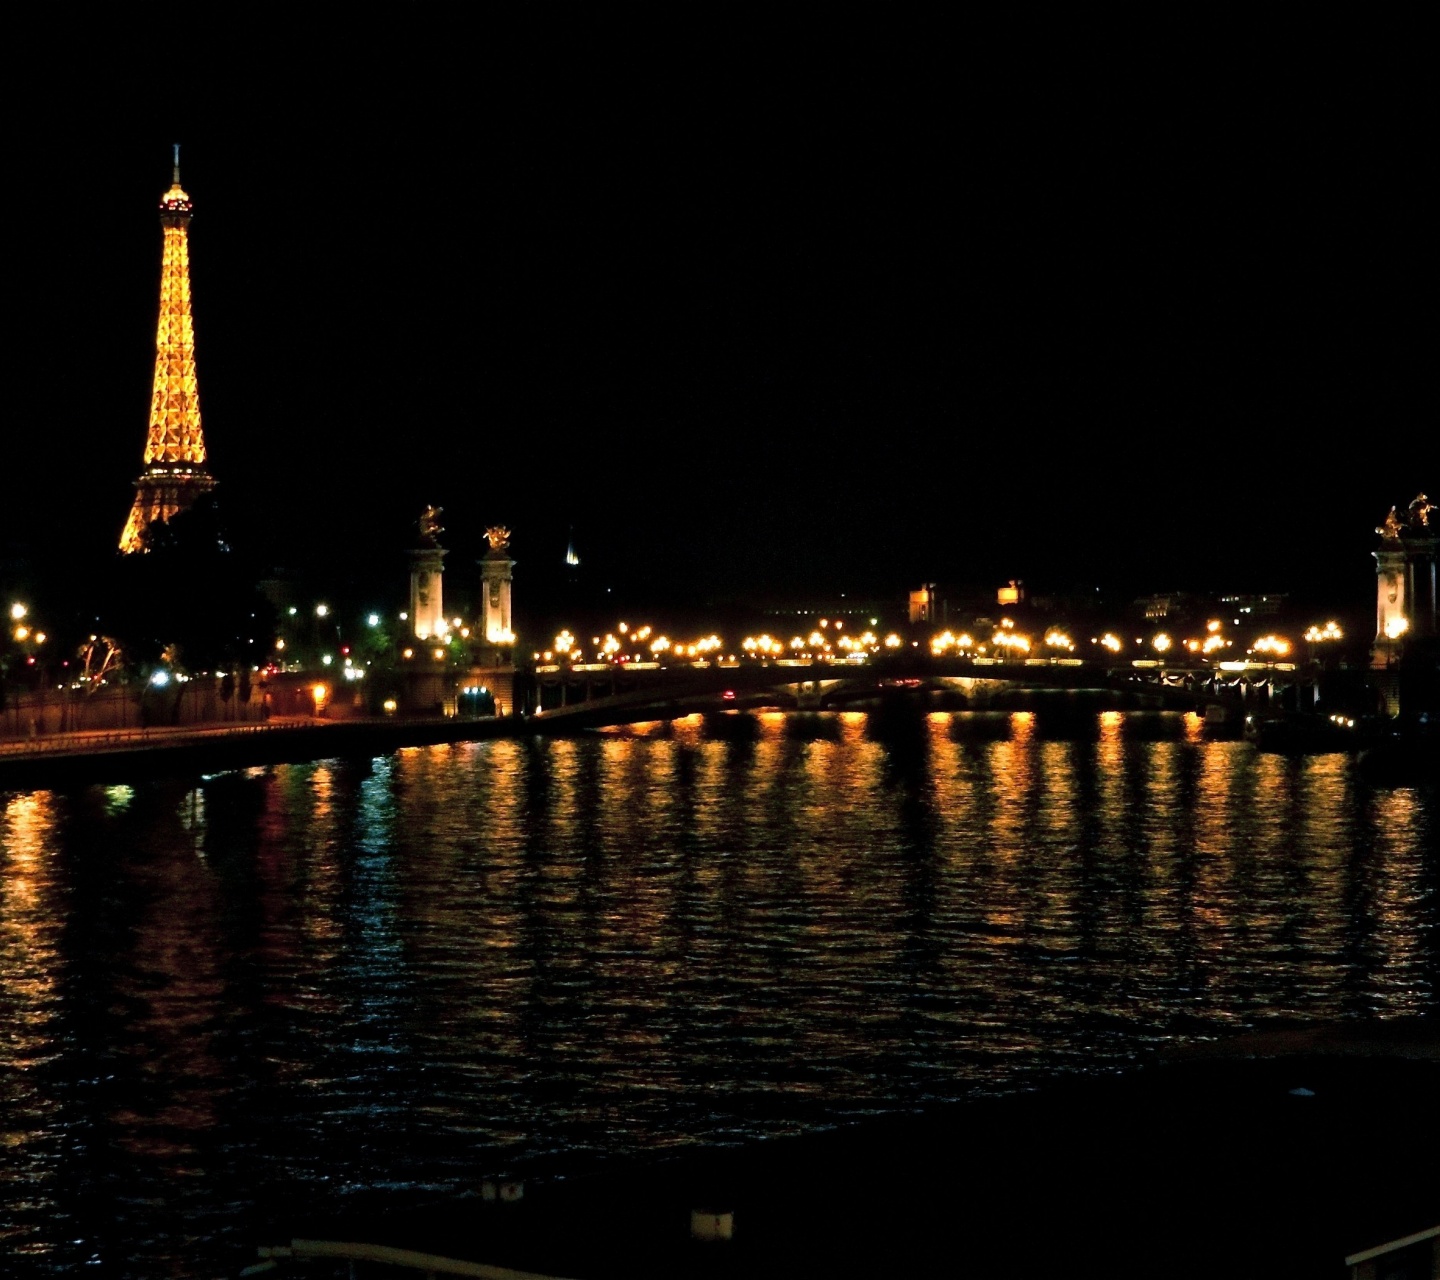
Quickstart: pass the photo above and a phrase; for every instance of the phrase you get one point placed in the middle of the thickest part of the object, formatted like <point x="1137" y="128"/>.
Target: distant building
<point x="924" y="604"/>
<point x="1012" y="594"/>
<point x="1167" y="605"/>
<point x="1263" y="606"/>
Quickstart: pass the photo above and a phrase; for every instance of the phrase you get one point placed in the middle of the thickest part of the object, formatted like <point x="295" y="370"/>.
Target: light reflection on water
<point x="281" y="985"/>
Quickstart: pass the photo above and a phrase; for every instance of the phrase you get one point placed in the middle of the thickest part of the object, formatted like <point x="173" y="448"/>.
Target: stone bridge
<point x="573" y="698"/>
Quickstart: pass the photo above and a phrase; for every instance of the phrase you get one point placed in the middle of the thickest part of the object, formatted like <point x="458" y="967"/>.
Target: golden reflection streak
<point x="636" y="799"/>
<point x="959" y="809"/>
<point x="32" y="921"/>
<point x="302" y="891"/>
<point x="1110" y="773"/>
<point x="504" y="878"/>
<point x="839" y="779"/>
<point x="688" y="728"/>
<point x="462" y="877"/>
<point x="634" y="937"/>
<point x="28" y="822"/>
<point x="1164" y="911"/>
<point x="1013" y="778"/>
<point x="559" y="760"/>
<point x="1324" y="844"/>
<point x="1399" y="913"/>
<point x="1057" y="821"/>
<point x="1248" y="895"/>
<point x="767" y="781"/>
<point x="850" y="908"/>
<point x="504" y="798"/>
<point x="1013" y="783"/>
<point x="954" y="788"/>
<point x="1165" y="817"/>
<point x="1223" y="797"/>
<point x="508" y="889"/>
<point x="173" y="982"/>
<point x="322" y="870"/>
<point x="710" y="784"/>
<point x="635" y="729"/>
<point x="1275" y="802"/>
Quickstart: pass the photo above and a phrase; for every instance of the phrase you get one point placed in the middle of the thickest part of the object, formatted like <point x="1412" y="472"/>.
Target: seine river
<point x="277" y="987"/>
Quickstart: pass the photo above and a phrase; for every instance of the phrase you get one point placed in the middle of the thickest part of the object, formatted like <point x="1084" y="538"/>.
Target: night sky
<point x="756" y="324"/>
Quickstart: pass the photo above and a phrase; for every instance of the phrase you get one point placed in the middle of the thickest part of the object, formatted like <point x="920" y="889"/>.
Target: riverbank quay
<point x="117" y="756"/>
<point x="1280" y="1153"/>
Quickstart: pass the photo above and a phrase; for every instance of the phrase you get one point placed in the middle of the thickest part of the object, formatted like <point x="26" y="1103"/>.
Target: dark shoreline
<point x="212" y="750"/>
<point x="1276" y="1153"/>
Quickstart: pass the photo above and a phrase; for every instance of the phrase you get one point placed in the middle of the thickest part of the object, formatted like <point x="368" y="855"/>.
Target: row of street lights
<point x="1006" y="641"/>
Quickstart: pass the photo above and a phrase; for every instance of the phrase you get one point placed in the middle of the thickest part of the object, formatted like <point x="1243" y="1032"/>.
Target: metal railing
<point x="86" y="741"/>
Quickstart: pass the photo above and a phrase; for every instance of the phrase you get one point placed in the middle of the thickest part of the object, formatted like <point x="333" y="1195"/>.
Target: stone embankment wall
<point x="39" y="713"/>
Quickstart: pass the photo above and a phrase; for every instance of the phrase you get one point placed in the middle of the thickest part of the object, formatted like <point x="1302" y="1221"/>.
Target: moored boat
<point x="1303" y="734"/>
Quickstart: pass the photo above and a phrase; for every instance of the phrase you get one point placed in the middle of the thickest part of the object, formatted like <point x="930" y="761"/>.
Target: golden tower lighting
<point x="174" y="475"/>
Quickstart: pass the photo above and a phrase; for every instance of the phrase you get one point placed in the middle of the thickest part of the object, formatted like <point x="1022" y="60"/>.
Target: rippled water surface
<point x="273" y="988"/>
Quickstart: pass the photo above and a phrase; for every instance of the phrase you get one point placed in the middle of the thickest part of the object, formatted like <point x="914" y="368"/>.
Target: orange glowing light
<point x="175" y="472"/>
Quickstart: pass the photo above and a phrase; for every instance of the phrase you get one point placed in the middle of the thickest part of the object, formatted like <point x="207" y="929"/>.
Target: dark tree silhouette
<point x="191" y="594"/>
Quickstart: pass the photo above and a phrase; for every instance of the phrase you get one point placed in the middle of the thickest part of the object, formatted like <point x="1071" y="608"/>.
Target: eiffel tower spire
<point x="174" y="475"/>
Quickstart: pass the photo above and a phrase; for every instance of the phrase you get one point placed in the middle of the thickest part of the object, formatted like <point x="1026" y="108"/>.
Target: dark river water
<point x="228" y="997"/>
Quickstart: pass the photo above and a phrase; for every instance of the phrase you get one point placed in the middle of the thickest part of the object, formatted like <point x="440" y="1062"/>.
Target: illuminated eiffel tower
<point x="174" y="475"/>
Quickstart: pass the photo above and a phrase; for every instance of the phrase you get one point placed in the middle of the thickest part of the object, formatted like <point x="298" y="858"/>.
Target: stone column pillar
<point x="427" y="600"/>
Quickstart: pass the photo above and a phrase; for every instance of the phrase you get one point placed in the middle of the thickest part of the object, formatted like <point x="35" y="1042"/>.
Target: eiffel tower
<point x="174" y="475"/>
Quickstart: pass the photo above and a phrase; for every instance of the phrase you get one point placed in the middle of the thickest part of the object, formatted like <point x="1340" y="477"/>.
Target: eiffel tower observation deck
<point x="174" y="475"/>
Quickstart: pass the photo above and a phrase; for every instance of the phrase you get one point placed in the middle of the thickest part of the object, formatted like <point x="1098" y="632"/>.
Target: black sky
<point x="755" y="313"/>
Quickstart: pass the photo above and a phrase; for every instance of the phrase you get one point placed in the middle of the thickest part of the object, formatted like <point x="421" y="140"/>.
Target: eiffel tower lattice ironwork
<point x="175" y="474"/>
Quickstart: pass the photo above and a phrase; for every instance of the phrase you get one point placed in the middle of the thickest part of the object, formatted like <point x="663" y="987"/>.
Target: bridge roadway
<point x="649" y="693"/>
